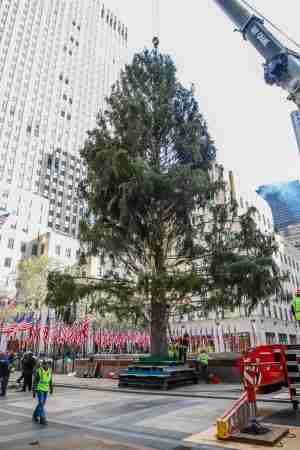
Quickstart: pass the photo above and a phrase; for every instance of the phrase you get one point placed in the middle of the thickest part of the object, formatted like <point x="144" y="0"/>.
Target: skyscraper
<point x="284" y="201"/>
<point x="58" y="60"/>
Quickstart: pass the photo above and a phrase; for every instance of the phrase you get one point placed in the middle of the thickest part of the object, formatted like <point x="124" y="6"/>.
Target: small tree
<point x="32" y="281"/>
<point x="148" y="166"/>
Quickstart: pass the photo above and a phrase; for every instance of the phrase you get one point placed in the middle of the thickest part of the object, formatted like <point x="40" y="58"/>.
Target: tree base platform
<point x="270" y="439"/>
<point x="161" y="376"/>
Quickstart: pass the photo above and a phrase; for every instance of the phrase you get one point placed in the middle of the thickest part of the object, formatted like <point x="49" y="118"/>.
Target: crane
<point x="282" y="66"/>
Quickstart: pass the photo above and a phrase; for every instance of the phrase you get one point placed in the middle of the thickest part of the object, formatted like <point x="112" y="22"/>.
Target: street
<point x="88" y="420"/>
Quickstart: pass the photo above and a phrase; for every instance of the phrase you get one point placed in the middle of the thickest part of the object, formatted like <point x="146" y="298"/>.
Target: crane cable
<point x="155" y="18"/>
<point x="275" y="27"/>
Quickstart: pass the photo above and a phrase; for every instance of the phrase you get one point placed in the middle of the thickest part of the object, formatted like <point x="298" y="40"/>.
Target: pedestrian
<point x="28" y="369"/>
<point x="4" y="373"/>
<point x="43" y="384"/>
<point x="183" y="348"/>
<point x="203" y="363"/>
<point x="67" y="364"/>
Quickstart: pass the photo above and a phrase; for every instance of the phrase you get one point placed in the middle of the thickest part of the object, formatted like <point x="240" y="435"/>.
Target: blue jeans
<point x="40" y="408"/>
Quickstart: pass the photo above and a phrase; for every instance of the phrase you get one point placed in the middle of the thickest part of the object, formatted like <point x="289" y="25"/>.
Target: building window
<point x="23" y="247"/>
<point x="270" y="338"/>
<point x="68" y="253"/>
<point x="283" y="339"/>
<point x="57" y="250"/>
<point x="43" y="249"/>
<point x="34" y="250"/>
<point x="7" y="262"/>
<point x="11" y="243"/>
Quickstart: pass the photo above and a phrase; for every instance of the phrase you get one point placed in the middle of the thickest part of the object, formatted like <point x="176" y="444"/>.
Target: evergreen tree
<point x="148" y="164"/>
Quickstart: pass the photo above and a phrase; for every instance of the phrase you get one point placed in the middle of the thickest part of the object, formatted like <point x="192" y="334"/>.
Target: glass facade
<point x="284" y="201"/>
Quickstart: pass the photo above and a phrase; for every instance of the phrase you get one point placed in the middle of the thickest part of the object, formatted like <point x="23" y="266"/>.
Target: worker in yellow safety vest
<point x="296" y="306"/>
<point x="203" y="363"/>
<point x="42" y="385"/>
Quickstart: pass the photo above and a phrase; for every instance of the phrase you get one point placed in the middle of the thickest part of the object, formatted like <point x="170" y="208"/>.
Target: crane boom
<point x="282" y="66"/>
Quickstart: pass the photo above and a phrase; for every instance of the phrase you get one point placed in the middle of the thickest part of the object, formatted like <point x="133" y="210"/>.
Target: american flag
<point x="26" y="324"/>
<point x="46" y="330"/>
<point x="85" y="329"/>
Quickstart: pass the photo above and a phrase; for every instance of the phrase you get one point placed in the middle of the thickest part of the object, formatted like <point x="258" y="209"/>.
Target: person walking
<point x="203" y="363"/>
<point x="4" y="373"/>
<point x="28" y="369"/>
<point x="67" y="364"/>
<point x="42" y="385"/>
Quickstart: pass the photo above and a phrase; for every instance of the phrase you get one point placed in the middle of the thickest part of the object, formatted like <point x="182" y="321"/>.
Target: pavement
<point x="94" y="414"/>
<point x="80" y="419"/>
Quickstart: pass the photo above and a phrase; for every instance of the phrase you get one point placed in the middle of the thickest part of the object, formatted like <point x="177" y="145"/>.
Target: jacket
<point x="4" y="368"/>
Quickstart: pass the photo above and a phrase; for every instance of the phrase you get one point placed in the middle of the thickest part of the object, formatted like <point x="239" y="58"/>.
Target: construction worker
<point x="296" y="306"/>
<point x="203" y="363"/>
<point x="42" y="385"/>
<point x="173" y="350"/>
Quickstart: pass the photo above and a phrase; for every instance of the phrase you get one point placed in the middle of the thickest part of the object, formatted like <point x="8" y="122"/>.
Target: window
<point x="43" y="249"/>
<point x="68" y="253"/>
<point x="7" y="262"/>
<point x="270" y="338"/>
<point x="34" y="250"/>
<point x="57" y="250"/>
<point x="23" y="247"/>
<point x="283" y="339"/>
<point x="11" y="243"/>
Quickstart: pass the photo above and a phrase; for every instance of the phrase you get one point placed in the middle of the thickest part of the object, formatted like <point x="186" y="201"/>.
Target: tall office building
<point x="284" y="201"/>
<point x="58" y="60"/>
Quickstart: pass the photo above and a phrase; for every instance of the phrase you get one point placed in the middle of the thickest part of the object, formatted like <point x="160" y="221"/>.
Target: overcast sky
<point x="249" y="120"/>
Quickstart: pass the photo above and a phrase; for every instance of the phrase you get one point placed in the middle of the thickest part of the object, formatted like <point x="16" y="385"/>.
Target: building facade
<point x="292" y="235"/>
<point x="58" y="60"/>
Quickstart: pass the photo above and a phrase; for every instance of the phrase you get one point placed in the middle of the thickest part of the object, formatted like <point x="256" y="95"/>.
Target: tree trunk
<point x="159" y="327"/>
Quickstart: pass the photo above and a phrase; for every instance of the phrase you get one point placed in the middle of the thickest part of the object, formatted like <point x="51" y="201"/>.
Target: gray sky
<point x="249" y="120"/>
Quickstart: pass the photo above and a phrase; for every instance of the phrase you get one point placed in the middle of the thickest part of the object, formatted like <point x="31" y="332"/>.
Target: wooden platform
<point x="159" y="376"/>
<point x="209" y="438"/>
<point x="269" y="439"/>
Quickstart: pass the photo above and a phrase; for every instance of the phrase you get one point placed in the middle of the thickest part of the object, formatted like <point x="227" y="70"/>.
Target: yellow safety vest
<point x="296" y="305"/>
<point x="44" y="379"/>
<point x="203" y="358"/>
